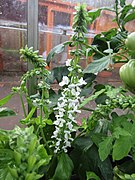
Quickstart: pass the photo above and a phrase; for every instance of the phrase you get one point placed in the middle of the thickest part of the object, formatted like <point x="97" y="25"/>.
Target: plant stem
<point x="23" y="106"/>
<point x="86" y="109"/>
<point x="41" y="128"/>
<point x="96" y="50"/>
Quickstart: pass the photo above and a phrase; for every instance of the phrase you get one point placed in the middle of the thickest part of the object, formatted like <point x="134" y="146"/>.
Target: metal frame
<point x="32" y="39"/>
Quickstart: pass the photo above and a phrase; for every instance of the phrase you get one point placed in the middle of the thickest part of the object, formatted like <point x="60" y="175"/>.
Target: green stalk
<point x="87" y="109"/>
<point x="117" y="13"/>
<point x="96" y="50"/>
<point x="41" y="129"/>
<point x="23" y="106"/>
<point x="43" y="136"/>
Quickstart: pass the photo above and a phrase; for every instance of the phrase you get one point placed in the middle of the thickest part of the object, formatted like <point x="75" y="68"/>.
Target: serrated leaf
<point x="105" y="148"/>
<point x="121" y="147"/>
<point x="64" y="168"/>
<point x="98" y="65"/>
<point x="4" y="112"/>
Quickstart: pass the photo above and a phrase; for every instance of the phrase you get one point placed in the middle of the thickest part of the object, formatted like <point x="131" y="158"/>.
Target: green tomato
<point x="127" y="74"/>
<point x="130" y="41"/>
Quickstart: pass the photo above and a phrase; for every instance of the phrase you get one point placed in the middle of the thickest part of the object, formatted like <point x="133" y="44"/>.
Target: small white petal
<point x="64" y="81"/>
<point x="68" y="62"/>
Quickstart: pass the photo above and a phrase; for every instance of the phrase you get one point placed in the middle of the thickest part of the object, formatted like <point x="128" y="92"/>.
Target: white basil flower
<point x="68" y="62"/>
<point x="64" y="81"/>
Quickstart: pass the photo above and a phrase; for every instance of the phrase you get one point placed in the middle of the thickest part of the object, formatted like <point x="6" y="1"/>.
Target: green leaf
<point x="56" y="50"/>
<point x="112" y="92"/>
<point x="118" y="131"/>
<point x="92" y="175"/>
<point x="121" y="147"/>
<point x="26" y="120"/>
<point x="64" y="168"/>
<point x="129" y="177"/>
<point x="5" y="175"/>
<point x="108" y="51"/>
<point x="93" y="14"/>
<point x="6" y="155"/>
<point x="43" y="153"/>
<point x="125" y="10"/>
<point x="87" y="100"/>
<point x="105" y="148"/>
<point x="83" y="143"/>
<point x="97" y="138"/>
<point x="59" y="72"/>
<point x="133" y="176"/>
<point x="5" y="99"/>
<point x="128" y="166"/>
<point x="6" y="112"/>
<point x="3" y="136"/>
<point x="122" y="3"/>
<point x="90" y="161"/>
<point x="49" y="121"/>
<point x="98" y="65"/>
<point x="129" y="17"/>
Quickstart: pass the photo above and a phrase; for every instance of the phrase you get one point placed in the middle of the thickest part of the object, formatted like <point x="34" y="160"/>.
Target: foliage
<point x="109" y="46"/>
<point x="53" y="145"/>
<point x="4" y="111"/>
<point x="21" y="155"/>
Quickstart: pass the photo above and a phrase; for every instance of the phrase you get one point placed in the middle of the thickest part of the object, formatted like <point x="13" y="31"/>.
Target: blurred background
<point x="55" y="19"/>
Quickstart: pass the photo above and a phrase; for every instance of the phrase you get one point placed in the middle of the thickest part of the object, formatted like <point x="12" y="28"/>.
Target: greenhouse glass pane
<point x="13" y="34"/>
<point x="55" y="24"/>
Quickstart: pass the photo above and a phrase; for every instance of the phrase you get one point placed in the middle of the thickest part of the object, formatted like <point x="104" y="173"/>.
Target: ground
<point x="7" y="81"/>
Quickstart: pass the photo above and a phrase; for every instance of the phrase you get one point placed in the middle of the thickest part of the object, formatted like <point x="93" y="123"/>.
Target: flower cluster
<point x="67" y="107"/>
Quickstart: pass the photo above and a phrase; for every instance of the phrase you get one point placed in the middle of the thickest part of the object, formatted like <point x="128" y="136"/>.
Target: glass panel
<point x="55" y="24"/>
<point x="13" y="33"/>
<point x="61" y="18"/>
<point x="13" y="36"/>
<point x="55" y="19"/>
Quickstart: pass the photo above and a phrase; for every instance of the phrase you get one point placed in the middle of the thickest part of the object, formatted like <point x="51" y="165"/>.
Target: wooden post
<point x="32" y="39"/>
